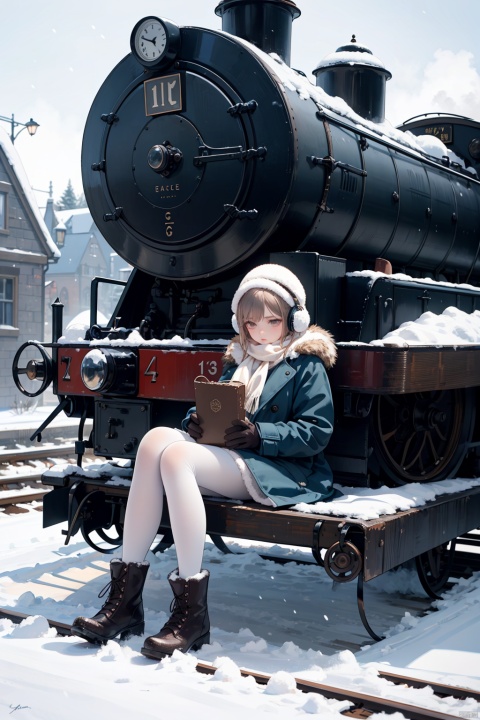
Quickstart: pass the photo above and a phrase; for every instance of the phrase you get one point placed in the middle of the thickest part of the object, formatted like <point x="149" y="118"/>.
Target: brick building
<point x="26" y="249"/>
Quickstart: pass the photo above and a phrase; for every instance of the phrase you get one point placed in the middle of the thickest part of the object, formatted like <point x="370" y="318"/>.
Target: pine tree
<point x="68" y="201"/>
<point x="81" y="202"/>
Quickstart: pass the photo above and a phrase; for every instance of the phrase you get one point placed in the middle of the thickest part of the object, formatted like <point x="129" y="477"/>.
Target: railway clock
<point x="155" y="42"/>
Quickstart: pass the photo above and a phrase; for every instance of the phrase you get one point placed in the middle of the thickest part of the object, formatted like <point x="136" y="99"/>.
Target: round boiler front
<point x="189" y="172"/>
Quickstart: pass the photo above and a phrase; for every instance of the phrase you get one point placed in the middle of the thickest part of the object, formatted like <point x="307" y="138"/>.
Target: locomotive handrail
<point x="94" y="295"/>
<point x="233" y="153"/>
<point x="391" y="142"/>
<point x="436" y="114"/>
<point x="332" y="164"/>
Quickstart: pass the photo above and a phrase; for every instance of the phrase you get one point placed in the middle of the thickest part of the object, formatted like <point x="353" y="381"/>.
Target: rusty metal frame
<point x="383" y="543"/>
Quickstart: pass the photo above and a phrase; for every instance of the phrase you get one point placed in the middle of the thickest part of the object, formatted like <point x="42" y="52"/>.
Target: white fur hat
<point x="282" y="282"/>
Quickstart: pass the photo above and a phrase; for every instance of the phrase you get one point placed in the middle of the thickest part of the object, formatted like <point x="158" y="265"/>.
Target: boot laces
<point x="178" y="610"/>
<point x="114" y="587"/>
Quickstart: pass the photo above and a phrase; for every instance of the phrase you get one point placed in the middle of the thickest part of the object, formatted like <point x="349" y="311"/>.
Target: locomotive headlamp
<point x="35" y="370"/>
<point x="155" y="42"/>
<point x="109" y="370"/>
<point x="94" y="370"/>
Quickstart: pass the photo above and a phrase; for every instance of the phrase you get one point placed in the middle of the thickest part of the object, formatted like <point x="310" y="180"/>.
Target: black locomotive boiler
<point x="205" y="154"/>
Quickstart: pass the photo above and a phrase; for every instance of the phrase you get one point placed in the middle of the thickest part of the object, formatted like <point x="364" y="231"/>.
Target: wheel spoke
<point x="418" y="457"/>
<point x="389" y="435"/>
<point x="435" y="456"/>
<point x="423" y="436"/>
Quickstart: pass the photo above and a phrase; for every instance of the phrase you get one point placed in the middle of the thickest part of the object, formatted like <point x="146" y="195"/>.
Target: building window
<point x="6" y="301"/>
<point x="3" y="211"/>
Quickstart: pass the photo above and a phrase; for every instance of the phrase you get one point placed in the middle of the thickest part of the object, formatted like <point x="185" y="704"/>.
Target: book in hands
<point x="217" y="406"/>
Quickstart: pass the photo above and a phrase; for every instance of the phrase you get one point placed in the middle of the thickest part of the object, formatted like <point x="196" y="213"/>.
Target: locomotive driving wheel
<point x="421" y="437"/>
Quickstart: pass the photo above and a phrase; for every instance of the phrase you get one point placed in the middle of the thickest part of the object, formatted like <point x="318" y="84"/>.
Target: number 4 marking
<point x="152" y="373"/>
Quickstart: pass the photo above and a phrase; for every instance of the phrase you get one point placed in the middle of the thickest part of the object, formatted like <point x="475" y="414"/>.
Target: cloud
<point x="450" y="83"/>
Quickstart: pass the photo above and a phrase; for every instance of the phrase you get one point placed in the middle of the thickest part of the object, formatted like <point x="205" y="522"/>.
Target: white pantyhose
<point x="169" y="462"/>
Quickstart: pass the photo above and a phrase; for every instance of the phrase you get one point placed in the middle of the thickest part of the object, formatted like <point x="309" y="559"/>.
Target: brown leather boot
<point x="122" y="613"/>
<point x="189" y="626"/>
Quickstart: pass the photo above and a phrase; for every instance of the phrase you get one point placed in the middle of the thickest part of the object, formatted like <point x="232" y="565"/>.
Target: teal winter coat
<point x="294" y="420"/>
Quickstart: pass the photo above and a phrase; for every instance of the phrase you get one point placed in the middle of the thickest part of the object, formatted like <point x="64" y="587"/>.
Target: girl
<point x="275" y="457"/>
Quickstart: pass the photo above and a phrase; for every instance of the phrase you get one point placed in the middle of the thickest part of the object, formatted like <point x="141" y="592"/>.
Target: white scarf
<point x="253" y="370"/>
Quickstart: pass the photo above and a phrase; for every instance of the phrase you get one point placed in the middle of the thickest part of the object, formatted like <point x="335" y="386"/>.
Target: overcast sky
<point x="55" y="55"/>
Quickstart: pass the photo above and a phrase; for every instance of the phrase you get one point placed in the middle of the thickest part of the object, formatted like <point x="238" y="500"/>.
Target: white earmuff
<point x="301" y="320"/>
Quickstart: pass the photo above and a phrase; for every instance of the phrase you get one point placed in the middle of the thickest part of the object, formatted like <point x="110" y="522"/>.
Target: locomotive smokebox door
<point x="120" y="426"/>
<point x="190" y="169"/>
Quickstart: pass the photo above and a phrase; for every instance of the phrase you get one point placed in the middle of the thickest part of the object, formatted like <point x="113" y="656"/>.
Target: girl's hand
<point x="242" y="434"/>
<point x="193" y="428"/>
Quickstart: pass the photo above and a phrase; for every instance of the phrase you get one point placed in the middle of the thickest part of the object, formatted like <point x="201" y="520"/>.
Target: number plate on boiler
<point x="163" y="95"/>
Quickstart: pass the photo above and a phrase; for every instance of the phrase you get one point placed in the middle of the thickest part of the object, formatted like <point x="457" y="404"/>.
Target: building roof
<point x="73" y="252"/>
<point x="76" y="221"/>
<point x="19" y="179"/>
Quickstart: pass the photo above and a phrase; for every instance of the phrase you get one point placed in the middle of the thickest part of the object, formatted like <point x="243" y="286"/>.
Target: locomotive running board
<point x="353" y="548"/>
<point x="395" y="370"/>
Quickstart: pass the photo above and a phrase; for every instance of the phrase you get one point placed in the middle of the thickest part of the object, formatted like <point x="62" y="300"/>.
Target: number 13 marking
<point x="210" y="367"/>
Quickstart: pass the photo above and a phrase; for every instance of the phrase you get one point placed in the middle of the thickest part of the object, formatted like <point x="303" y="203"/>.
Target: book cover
<point x="217" y="405"/>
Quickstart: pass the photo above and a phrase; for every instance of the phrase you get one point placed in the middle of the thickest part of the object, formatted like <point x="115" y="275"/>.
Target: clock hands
<point x="154" y="41"/>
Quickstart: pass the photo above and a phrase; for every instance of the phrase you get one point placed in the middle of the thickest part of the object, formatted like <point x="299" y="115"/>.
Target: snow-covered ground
<point x="282" y="619"/>
<point x="288" y="620"/>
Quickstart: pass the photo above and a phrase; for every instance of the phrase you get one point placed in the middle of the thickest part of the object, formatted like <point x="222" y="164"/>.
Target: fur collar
<point x="315" y="341"/>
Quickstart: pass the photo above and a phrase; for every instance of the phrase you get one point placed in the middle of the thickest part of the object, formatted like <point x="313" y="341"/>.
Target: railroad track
<point x="26" y="472"/>
<point x="42" y="454"/>
<point x="362" y="705"/>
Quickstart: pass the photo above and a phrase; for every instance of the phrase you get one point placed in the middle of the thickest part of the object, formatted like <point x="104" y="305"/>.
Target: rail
<point x="43" y="453"/>
<point x="362" y="705"/>
<point x="30" y="476"/>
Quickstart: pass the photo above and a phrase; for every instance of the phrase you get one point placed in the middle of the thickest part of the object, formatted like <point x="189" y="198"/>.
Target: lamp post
<point x="31" y="126"/>
<point x="60" y="231"/>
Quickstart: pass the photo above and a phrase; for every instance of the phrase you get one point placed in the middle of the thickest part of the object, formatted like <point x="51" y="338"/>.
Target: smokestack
<point x="267" y="24"/>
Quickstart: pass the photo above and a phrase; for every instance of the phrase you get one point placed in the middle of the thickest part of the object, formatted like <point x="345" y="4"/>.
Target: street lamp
<point x="31" y="126"/>
<point x="60" y="231"/>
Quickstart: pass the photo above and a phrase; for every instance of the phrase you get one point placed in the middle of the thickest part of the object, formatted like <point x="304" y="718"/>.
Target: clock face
<point x="149" y="40"/>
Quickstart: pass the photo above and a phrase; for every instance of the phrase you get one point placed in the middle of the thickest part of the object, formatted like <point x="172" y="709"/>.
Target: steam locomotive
<point x="205" y="154"/>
